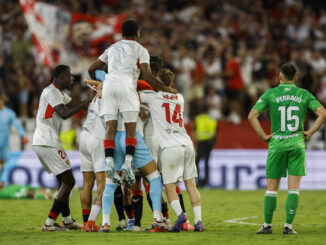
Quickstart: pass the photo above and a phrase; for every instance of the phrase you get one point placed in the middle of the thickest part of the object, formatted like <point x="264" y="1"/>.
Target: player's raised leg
<point x="130" y="119"/>
<point x="107" y="202"/>
<point x="111" y="126"/>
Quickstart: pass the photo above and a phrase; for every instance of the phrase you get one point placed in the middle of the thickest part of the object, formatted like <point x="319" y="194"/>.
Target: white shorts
<point x="178" y="163"/>
<point x="91" y="151"/>
<point x="153" y="146"/>
<point x="53" y="159"/>
<point x="118" y="98"/>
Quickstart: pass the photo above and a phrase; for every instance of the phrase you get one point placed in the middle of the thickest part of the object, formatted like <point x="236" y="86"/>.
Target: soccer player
<point x="287" y="106"/>
<point x="7" y="118"/>
<point x="92" y="161"/>
<point x="177" y="154"/>
<point x="54" y="106"/>
<point x="125" y="59"/>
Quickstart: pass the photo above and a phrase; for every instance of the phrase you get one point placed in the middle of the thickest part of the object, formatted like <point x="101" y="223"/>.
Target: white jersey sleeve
<point x="144" y="56"/>
<point x="104" y="57"/>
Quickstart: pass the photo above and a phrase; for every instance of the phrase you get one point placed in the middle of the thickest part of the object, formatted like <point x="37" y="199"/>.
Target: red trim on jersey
<point x="108" y="144"/>
<point x="130" y="39"/>
<point x="48" y="112"/>
<point x="131" y="141"/>
<point x="143" y="85"/>
<point x="137" y="192"/>
<point x="57" y="88"/>
<point x="53" y="215"/>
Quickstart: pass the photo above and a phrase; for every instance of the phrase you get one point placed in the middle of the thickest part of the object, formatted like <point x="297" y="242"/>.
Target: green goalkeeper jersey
<point x="287" y="111"/>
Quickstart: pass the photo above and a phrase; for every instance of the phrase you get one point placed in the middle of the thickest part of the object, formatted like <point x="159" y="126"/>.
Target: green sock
<point x="269" y="206"/>
<point x="291" y="206"/>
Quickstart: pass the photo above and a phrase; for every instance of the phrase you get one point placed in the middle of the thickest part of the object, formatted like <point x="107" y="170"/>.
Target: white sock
<point x="109" y="161"/>
<point x="265" y="224"/>
<point x="106" y="219"/>
<point x="95" y="211"/>
<point x="49" y="221"/>
<point x="197" y="213"/>
<point x="175" y="204"/>
<point x="128" y="160"/>
<point x="67" y="219"/>
<point x="157" y="215"/>
<point x="288" y="225"/>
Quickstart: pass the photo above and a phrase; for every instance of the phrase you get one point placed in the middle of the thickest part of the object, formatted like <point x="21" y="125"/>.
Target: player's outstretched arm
<point x="65" y="111"/>
<point x="321" y="113"/>
<point x="97" y="65"/>
<point x="253" y="119"/>
<point x="149" y="78"/>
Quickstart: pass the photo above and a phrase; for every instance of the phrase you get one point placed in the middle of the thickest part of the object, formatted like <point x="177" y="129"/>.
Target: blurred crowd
<point x="225" y="53"/>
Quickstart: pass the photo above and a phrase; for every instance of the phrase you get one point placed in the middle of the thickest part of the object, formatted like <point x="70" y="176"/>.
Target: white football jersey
<point x="47" y="120"/>
<point x="123" y="59"/>
<point x="167" y="114"/>
<point x="94" y="123"/>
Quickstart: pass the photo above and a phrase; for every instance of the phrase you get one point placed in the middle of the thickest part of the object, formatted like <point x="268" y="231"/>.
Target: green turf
<point x="21" y="222"/>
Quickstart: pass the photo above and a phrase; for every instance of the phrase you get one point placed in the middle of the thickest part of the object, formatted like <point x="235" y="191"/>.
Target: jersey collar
<point x="287" y="84"/>
<point x="57" y="88"/>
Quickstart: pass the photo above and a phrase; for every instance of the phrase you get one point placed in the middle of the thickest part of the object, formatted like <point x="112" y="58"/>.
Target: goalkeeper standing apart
<point x="287" y="106"/>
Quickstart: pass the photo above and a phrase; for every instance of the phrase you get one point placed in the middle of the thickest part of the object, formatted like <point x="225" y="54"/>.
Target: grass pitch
<point x="230" y="217"/>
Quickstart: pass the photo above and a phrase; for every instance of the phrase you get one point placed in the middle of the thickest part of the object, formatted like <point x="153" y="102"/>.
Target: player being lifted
<point x="125" y="59"/>
<point x="177" y="154"/>
<point x="54" y="106"/>
<point x="287" y="106"/>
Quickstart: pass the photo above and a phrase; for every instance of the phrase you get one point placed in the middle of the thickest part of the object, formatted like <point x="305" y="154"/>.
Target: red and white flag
<point x="61" y="36"/>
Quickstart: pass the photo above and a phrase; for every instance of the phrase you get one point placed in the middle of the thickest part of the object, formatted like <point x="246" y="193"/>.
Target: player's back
<point x="93" y="122"/>
<point x="123" y="58"/>
<point x="287" y="109"/>
<point x="167" y="114"/>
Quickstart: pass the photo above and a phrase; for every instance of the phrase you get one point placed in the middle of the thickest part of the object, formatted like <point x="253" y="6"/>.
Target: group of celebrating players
<point x="134" y="130"/>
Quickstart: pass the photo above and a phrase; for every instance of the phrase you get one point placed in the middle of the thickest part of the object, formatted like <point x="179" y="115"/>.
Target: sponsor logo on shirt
<point x="285" y="136"/>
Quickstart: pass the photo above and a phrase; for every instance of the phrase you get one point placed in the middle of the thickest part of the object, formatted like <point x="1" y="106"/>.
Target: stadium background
<point x="199" y="40"/>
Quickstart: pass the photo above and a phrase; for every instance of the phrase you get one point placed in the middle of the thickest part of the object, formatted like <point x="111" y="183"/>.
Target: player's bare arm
<point x="253" y="119"/>
<point x="321" y="113"/>
<point x="65" y="111"/>
<point x="148" y="77"/>
<point x="97" y="65"/>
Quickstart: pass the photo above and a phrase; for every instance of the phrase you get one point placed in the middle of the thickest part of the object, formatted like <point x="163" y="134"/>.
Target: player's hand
<point x="307" y="134"/>
<point x="25" y="140"/>
<point x="268" y="137"/>
<point x="91" y="96"/>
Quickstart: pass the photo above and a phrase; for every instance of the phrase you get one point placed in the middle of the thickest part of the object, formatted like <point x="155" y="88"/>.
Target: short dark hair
<point x="129" y="28"/>
<point x="166" y="76"/>
<point x="289" y="71"/>
<point x="59" y="70"/>
<point x="156" y="59"/>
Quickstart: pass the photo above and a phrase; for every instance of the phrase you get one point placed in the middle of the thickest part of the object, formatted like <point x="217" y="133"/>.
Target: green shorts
<point x="278" y="162"/>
